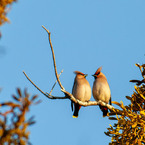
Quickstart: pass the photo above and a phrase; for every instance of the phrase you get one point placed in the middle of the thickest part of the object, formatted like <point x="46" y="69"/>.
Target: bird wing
<point x="73" y="86"/>
<point x="72" y="106"/>
<point x="72" y="93"/>
<point x="110" y="101"/>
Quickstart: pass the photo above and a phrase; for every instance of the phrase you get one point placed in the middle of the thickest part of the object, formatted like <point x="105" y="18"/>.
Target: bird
<point x="81" y="90"/>
<point x="101" y="90"/>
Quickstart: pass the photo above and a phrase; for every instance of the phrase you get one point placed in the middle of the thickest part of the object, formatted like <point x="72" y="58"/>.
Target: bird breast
<point x="101" y="90"/>
<point x="82" y="90"/>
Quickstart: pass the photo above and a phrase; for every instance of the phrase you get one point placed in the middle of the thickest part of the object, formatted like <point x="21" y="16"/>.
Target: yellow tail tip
<point x="75" y="116"/>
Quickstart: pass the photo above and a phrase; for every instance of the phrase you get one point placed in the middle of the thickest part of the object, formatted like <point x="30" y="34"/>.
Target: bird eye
<point x="98" y="73"/>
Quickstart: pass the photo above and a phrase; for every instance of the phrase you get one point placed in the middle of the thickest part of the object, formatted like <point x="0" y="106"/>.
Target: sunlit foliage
<point x="13" y="123"/>
<point x="130" y="126"/>
<point x="4" y="8"/>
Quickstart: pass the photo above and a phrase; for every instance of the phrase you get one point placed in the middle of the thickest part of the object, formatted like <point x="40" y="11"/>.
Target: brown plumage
<point x="101" y="90"/>
<point x="81" y="91"/>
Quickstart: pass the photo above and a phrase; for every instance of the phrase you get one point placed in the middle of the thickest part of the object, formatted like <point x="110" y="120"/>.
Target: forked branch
<point x="67" y="94"/>
<point x="56" y="74"/>
<point x="48" y="95"/>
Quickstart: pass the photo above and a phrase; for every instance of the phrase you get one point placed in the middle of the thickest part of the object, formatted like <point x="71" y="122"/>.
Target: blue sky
<point x="85" y="36"/>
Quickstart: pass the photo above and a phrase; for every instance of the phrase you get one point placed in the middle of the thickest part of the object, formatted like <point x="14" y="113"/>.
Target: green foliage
<point x="130" y="126"/>
<point x="13" y="123"/>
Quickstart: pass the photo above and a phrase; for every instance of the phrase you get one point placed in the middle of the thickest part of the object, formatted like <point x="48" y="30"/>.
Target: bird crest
<point x="98" y="70"/>
<point x="78" y="72"/>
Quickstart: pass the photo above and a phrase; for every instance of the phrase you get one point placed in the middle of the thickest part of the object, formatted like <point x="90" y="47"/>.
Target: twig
<point x="56" y="74"/>
<point x="47" y="95"/>
<point x="55" y="83"/>
<point x="7" y="112"/>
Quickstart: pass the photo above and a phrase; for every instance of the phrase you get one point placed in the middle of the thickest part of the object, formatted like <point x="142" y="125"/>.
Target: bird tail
<point x="77" y="108"/>
<point x="104" y="110"/>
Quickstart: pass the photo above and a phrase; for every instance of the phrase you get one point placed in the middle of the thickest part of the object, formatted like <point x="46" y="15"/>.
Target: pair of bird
<point x="82" y="90"/>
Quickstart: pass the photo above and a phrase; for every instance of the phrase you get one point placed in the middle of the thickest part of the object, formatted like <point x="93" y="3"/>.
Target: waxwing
<point x="101" y="90"/>
<point x="81" y="91"/>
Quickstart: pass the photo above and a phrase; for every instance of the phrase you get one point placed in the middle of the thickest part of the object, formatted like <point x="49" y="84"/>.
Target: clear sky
<point x="85" y="35"/>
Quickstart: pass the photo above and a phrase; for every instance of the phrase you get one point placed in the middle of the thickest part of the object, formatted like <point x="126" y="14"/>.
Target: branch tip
<point x="45" y="29"/>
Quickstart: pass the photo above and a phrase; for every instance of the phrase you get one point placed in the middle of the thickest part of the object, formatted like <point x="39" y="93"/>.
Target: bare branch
<point x="55" y="83"/>
<point x="71" y="97"/>
<point x="47" y="95"/>
<point x="56" y="74"/>
<point x="89" y="103"/>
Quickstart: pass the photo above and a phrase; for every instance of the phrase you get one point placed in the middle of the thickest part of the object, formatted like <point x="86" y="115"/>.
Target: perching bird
<point x="81" y="91"/>
<point x="101" y="90"/>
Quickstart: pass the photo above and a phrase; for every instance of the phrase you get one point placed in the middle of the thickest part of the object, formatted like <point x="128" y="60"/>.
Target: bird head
<point x="97" y="73"/>
<point x="80" y="74"/>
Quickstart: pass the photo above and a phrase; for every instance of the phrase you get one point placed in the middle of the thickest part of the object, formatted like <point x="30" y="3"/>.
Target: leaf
<point x="112" y="113"/>
<point x="138" y="82"/>
<point x="114" y="102"/>
<point x="134" y="81"/>
<point x="30" y="119"/>
<point x="137" y="64"/>
<point x="107" y="133"/>
<point x="143" y="73"/>
<point x="142" y="112"/>
<point x="112" y="118"/>
<point x="134" y="125"/>
<point x="15" y="98"/>
<point x="19" y="92"/>
<point x="143" y="65"/>
<point x="31" y="123"/>
<point x="39" y="101"/>
<point x="142" y="96"/>
<point x="25" y="92"/>
<point x="34" y="97"/>
<point x="136" y="88"/>
<point x="122" y="105"/>
<point x="129" y="98"/>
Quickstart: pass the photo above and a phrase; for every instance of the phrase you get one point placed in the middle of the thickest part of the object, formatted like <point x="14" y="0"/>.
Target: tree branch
<point x="55" y="83"/>
<point x="88" y="103"/>
<point x="54" y="63"/>
<point x="71" y="97"/>
<point x="46" y="94"/>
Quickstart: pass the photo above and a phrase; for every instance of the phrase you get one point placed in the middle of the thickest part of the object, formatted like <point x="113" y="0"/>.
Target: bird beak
<point x="94" y="76"/>
<point x="86" y="75"/>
